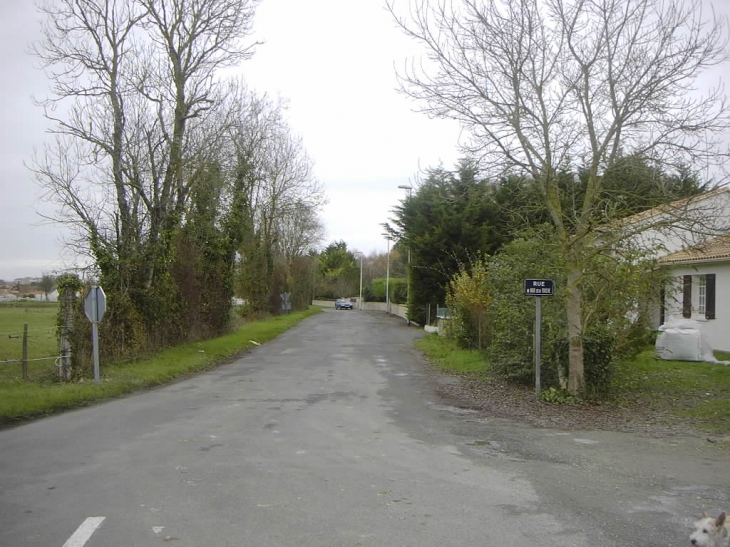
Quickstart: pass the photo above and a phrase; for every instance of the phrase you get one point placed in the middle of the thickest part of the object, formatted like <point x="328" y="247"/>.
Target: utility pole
<point x="387" y="280"/>
<point x="360" y="300"/>
<point x="409" y="189"/>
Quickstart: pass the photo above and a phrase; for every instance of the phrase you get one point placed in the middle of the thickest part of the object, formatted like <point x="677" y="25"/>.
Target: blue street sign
<point x="538" y="287"/>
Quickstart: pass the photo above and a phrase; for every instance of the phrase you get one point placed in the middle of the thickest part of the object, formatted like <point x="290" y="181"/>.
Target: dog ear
<point x="720" y="520"/>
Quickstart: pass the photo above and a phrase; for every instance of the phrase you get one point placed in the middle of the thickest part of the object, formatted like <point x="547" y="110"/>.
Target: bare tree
<point x="276" y="193"/>
<point x="197" y="39"/>
<point x="541" y="84"/>
<point x="88" y="53"/>
<point x="137" y="101"/>
<point x="47" y="284"/>
<point x="300" y="230"/>
<point x="132" y="84"/>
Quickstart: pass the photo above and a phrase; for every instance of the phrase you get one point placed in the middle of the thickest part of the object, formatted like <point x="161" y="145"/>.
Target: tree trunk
<point x="574" y="306"/>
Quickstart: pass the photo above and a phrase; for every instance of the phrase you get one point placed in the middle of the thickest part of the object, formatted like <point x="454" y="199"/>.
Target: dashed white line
<point x="84" y="532"/>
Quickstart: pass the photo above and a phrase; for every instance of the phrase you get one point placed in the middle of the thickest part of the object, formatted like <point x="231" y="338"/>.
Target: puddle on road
<point x="479" y="443"/>
<point x="453" y="409"/>
<point x="490" y="444"/>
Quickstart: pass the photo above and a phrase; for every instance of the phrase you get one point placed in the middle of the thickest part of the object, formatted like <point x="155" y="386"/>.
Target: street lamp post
<point x="360" y="300"/>
<point x="409" y="189"/>
<point x="387" y="280"/>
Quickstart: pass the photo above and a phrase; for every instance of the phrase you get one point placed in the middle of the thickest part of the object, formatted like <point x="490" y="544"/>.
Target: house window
<point x="702" y="303"/>
<point x="705" y="294"/>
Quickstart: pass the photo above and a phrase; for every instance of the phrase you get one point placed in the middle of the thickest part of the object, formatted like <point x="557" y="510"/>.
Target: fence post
<point x="64" y="371"/>
<point x="25" y="352"/>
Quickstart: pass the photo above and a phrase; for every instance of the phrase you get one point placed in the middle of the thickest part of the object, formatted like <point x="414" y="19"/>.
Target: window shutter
<point x="662" y="309"/>
<point x="710" y="296"/>
<point x="687" y="297"/>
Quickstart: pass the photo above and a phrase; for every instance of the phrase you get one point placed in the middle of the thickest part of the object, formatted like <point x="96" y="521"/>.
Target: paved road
<point x="331" y="435"/>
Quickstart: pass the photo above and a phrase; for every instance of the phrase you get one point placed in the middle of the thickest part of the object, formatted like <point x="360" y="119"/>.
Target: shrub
<point x="468" y="299"/>
<point x="558" y="396"/>
<point x="512" y="315"/>
<point x="396" y="286"/>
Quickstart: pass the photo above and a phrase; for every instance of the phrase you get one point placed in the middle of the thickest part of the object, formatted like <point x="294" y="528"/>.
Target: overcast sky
<point x="333" y="60"/>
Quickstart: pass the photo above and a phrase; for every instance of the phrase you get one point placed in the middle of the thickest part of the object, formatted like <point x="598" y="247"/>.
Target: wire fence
<point x="29" y="354"/>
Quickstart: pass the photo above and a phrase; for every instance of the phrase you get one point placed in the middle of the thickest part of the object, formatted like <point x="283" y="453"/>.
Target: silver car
<point x="343" y="304"/>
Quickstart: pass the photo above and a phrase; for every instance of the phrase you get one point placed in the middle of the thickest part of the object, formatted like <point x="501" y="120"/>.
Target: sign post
<point x="538" y="288"/>
<point x="285" y="303"/>
<point x="95" y="307"/>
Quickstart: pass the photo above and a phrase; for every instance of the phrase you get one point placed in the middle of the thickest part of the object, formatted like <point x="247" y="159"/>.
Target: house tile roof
<point x="714" y="249"/>
<point x="674" y="207"/>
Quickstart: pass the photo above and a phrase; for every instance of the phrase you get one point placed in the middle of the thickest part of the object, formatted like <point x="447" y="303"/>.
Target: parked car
<point x="343" y="304"/>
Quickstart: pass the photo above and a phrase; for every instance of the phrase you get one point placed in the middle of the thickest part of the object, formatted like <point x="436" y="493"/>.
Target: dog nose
<point x="693" y="541"/>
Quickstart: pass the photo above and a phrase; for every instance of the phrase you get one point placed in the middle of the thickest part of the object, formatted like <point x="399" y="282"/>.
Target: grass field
<point x="42" y="340"/>
<point x="698" y="393"/>
<point x="20" y="400"/>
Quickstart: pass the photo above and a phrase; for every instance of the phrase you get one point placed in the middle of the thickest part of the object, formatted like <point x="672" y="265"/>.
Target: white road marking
<point x="585" y="441"/>
<point x="84" y="532"/>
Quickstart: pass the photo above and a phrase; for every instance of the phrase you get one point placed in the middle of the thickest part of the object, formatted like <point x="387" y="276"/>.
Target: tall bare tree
<point x="540" y="84"/>
<point x="128" y="77"/>
<point x="136" y="99"/>
<point x="88" y="53"/>
<point x="197" y="38"/>
<point x="278" y="196"/>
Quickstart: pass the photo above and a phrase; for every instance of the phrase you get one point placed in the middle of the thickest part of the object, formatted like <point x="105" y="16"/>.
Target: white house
<point x="702" y="289"/>
<point x="690" y="238"/>
<point x="680" y="225"/>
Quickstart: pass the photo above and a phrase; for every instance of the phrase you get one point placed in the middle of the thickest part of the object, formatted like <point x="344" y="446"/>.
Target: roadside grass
<point x="445" y="355"/>
<point x="21" y="400"/>
<point x="697" y="393"/>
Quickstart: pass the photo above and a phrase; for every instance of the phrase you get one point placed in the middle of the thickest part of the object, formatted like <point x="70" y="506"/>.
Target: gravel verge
<point x="498" y="398"/>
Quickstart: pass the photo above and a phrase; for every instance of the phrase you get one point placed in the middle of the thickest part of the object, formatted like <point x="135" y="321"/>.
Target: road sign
<point x="95" y="304"/>
<point x="95" y="307"/>
<point x="285" y="304"/>
<point x="538" y="287"/>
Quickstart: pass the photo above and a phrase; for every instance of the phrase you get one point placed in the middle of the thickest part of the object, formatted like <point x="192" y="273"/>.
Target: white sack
<point x="682" y="340"/>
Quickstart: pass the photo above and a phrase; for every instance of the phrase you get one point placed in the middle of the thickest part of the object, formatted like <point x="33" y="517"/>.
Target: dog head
<point x="710" y="532"/>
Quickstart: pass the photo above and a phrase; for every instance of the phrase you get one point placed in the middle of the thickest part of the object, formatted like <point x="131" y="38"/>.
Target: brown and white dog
<point x="711" y="532"/>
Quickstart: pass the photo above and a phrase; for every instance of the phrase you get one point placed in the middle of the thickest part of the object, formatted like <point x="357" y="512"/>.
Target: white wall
<point x="716" y="330"/>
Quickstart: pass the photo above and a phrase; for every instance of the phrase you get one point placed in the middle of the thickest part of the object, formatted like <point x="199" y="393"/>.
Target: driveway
<point x="332" y="435"/>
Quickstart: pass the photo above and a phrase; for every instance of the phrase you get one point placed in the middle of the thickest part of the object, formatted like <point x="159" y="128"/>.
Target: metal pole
<point x="538" y="344"/>
<point x="95" y="342"/>
<point x="361" y="306"/>
<point x="408" y="188"/>
<point x="408" y="287"/>
<point x="387" y="281"/>
<point x="95" y="332"/>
